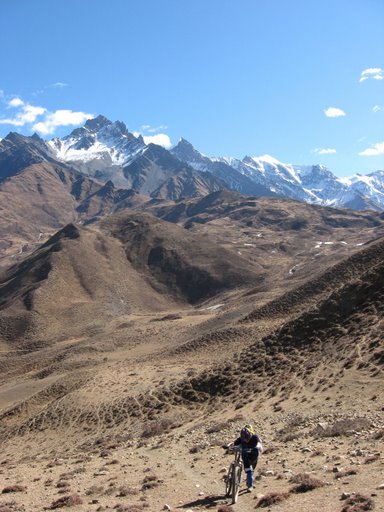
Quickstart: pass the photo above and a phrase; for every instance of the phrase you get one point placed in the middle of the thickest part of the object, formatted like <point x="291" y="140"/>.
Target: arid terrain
<point x="134" y="347"/>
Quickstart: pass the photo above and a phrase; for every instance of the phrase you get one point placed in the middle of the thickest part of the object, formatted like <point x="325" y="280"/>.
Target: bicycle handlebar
<point x="235" y="449"/>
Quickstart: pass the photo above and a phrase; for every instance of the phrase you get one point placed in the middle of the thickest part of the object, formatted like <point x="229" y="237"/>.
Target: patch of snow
<point x="268" y="158"/>
<point x="211" y="308"/>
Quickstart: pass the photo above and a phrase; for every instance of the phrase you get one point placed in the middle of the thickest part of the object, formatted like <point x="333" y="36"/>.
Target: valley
<point x="141" y="327"/>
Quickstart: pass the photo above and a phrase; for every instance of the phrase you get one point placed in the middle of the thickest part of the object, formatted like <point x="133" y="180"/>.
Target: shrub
<point x="14" y="488"/>
<point x="379" y="434"/>
<point x="218" y="427"/>
<point x="348" y="472"/>
<point x="342" y="427"/>
<point x="197" y="448"/>
<point x="271" y="499"/>
<point x="67" y="501"/>
<point x="372" y="458"/>
<point x="305" y="483"/>
<point x="94" y="489"/>
<point x="358" y="503"/>
<point x="150" y="482"/>
<point x="125" y="490"/>
<point x="157" y="428"/>
<point x="10" y="506"/>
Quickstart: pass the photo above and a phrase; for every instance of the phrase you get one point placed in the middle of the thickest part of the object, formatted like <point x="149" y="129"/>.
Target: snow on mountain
<point x="99" y="139"/>
<point x="370" y="186"/>
<point x="106" y="150"/>
<point x="314" y="184"/>
<point x="226" y="169"/>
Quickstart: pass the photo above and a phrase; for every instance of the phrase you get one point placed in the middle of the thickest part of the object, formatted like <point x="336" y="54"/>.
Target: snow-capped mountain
<point x="100" y="149"/>
<point x="226" y="169"/>
<point x="107" y="151"/>
<point x="99" y="139"/>
<point x="313" y="184"/>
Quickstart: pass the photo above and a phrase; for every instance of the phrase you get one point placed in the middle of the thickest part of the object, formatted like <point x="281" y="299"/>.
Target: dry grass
<point x="94" y="490"/>
<point x="150" y="482"/>
<point x="305" y="483"/>
<point x="125" y="490"/>
<point x="14" y="488"/>
<point x="128" y="508"/>
<point x="347" y="472"/>
<point x="157" y="428"/>
<point x="66" y="501"/>
<point x="197" y="448"/>
<point x="218" y="427"/>
<point x="379" y="434"/>
<point x="358" y="503"/>
<point x="10" y="506"/>
<point x="344" y="427"/>
<point x="272" y="498"/>
<point x="372" y="458"/>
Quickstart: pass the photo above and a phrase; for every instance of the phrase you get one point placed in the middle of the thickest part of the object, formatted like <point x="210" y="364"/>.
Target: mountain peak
<point x="186" y="152"/>
<point x="97" y="123"/>
<point x="184" y="143"/>
<point x="267" y="158"/>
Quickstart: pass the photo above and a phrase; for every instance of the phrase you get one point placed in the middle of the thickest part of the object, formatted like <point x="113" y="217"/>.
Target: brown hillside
<point x="131" y="349"/>
<point x="186" y="264"/>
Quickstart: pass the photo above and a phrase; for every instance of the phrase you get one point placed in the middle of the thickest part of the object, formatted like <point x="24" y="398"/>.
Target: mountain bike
<point x="233" y="478"/>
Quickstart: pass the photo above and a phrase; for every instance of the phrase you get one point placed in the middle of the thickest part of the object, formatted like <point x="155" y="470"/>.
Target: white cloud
<point x="376" y="109"/>
<point x="39" y="118"/>
<point x="334" y="112"/>
<point x="27" y="113"/>
<point x="161" y="139"/>
<point x="60" y="118"/>
<point x="59" y="84"/>
<point x="375" y="150"/>
<point x="325" y="151"/>
<point x="375" y="73"/>
<point x="15" y="102"/>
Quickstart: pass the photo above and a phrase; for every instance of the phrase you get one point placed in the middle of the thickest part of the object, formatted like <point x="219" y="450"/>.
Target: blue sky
<point x="301" y="80"/>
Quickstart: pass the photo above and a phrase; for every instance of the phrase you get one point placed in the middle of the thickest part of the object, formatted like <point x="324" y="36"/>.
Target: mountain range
<point x="106" y="151"/>
<point x="102" y="168"/>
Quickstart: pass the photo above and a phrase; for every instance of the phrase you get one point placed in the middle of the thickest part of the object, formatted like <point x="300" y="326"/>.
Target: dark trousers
<point x="250" y="458"/>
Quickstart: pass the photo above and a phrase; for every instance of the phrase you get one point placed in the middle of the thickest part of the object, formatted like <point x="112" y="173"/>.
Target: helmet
<point x="246" y="433"/>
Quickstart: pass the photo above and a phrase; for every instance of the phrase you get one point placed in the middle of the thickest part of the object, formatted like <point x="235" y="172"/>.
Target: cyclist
<point x="251" y="447"/>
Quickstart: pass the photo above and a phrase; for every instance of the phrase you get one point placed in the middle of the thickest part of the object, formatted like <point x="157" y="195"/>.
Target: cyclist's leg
<point x="248" y="468"/>
<point x="253" y="461"/>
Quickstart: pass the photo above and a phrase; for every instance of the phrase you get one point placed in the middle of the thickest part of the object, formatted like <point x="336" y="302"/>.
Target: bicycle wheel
<point x="228" y="481"/>
<point x="236" y="479"/>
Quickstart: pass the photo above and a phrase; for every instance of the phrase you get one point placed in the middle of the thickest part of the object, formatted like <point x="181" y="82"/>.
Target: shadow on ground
<point x="208" y="502"/>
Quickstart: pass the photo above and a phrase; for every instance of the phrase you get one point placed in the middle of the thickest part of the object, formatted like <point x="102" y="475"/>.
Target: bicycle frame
<point x="235" y="471"/>
<point x="233" y="479"/>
